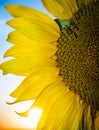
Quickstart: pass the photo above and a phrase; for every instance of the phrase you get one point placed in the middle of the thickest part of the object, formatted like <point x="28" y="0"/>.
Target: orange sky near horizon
<point x="10" y="120"/>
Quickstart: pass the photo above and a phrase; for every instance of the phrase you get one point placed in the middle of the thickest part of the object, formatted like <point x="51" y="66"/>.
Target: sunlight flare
<point x="34" y="116"/>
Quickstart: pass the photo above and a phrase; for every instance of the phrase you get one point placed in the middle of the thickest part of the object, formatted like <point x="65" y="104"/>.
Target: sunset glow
<point x="10" y="120"/>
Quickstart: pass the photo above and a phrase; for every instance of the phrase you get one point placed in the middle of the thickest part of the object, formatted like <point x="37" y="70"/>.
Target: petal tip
<point x="1" y="68"/>
<point x="6" y="6"/>
<point x="24" y="114"/>
<point x="10" y="103"/>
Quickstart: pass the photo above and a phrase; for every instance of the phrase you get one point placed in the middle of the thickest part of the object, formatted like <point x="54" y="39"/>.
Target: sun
<point x="30" y="118"/>
<point x="34" y="116"/>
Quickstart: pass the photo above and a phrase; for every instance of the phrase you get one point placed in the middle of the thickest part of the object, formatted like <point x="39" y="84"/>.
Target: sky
<point x="8" y="117"/>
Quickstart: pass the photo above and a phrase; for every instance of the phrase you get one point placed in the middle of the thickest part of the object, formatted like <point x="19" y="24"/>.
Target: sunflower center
<point x="78" y="54"/>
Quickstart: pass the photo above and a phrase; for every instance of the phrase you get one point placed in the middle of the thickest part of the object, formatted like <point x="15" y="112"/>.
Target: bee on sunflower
<point x="60" y="59"/>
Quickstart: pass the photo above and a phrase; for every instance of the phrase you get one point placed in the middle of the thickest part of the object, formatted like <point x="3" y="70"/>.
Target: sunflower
<point x="60" y="59"/>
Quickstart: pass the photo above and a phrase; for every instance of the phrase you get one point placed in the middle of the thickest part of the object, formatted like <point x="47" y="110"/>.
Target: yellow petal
<point x="25" y="65"/>
<point x="23" y="11"/>
<point x="55" y="8"/>
<point x="16" y="66"/>
<point x="47" y="101"/>
<point x="16" y="37"/>
<point x="34" y="29"/>
<point x="61" y="109"/>
<point x="31" y="50"/>
<point x="72" y="4"/>
<point x="97" y="121"/>
<point x="87" y="118"/>
<point x="61" y="9"/>
<point x="28" y="58"/>
<point x="30" y="88"/>
<point x="66" y="116"/>
<point x="24" y="114"/>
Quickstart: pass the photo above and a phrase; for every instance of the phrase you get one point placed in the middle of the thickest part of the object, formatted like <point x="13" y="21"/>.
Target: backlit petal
<point x="49" y="74"/>
<point x="62" y="117"/>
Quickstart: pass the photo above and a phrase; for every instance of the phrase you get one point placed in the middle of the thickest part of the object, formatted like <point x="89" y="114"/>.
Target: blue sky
<point x="9" y="82"/>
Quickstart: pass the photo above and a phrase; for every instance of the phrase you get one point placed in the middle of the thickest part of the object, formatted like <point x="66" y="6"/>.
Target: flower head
<point x="60" y="61"/>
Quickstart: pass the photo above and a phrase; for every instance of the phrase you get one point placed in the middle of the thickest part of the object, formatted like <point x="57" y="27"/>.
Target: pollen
<point x="78" y="54"/>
